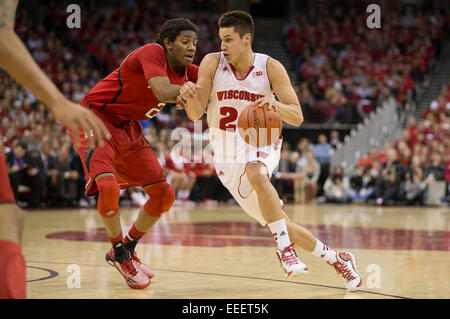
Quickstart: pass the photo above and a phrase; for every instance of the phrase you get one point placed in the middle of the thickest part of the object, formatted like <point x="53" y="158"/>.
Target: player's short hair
<point x="172" y="28"/>
<point x="241" y="21"/>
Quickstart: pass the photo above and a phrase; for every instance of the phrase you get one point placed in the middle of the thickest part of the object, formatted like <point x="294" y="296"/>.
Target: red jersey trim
<point x="119" y="91"/>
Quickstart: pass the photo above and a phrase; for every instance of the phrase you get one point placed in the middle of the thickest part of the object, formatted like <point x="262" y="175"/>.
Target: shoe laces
<point x="135" y="257"/>
<point x="288" y="255"/>
<point x="344" y="270"/>
<point x="128" y="266"/>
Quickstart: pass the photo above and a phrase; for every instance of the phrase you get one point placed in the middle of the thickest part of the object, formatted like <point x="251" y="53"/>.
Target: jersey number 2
<point x="154" y="110"/>
<point x="230" y="115"/>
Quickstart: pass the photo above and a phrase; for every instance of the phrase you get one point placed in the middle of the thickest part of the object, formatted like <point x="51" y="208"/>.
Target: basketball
<point x="259" y="126"/>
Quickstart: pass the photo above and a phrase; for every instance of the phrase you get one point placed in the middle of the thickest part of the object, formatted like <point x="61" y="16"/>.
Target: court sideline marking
<point x="231" y="276"/>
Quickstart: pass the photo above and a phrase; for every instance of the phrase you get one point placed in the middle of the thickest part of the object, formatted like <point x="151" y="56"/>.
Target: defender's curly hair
<point x="172" y="28"/>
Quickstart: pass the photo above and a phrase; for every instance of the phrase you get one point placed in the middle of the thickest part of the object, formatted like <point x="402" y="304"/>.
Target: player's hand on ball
<point x="77" y="117"/>
<point x="266" y="100"/>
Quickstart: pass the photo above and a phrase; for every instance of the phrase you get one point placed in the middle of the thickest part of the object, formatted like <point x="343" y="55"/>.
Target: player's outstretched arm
<point x="163" y="90"/>
<point x="17" y="61"/>
<point x="287" y="105"/>
<point x="197" y="95"/>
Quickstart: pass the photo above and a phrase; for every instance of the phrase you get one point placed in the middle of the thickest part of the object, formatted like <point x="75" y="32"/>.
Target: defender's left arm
<point x="288" y="105"/>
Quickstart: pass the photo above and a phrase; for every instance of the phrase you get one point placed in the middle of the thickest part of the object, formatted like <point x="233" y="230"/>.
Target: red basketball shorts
<point x="127" y="155"/>
<point x="6" y="193"/>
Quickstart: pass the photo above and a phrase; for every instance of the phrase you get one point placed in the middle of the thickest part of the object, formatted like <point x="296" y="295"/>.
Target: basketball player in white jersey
<point x="229" y="81"/>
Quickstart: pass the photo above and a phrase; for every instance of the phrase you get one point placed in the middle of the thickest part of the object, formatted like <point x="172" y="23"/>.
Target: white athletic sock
<point x="323" y="251"/>
<point x="280" y="233"/>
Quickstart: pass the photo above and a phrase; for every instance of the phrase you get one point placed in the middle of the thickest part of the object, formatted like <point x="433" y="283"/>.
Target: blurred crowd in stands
<point x="408" y="172"/>
<point x="345" y="68"/>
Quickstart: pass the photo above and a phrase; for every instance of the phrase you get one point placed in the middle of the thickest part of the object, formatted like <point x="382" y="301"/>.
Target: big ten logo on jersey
<point x="257" y="73"/>
<point x="154" y="110"/>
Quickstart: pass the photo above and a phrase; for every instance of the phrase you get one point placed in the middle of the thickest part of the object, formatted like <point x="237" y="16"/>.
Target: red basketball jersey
<point x="125" y="92"/>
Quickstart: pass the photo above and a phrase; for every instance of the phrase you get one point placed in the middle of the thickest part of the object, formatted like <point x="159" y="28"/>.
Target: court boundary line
<point x="53" y="274"/>
<point x="239" y="276"/>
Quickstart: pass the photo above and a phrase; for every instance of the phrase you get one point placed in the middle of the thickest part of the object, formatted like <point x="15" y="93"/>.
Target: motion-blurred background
<point x="376" y="101"/>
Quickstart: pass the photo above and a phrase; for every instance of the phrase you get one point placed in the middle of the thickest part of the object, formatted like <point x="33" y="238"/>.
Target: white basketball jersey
<point x="229" y="97"/>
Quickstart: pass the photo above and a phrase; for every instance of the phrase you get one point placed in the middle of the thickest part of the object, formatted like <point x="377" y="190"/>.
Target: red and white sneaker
<point x="346" y="267"/>
<point x="145" y="269"/>
<point x="130" y="270"/>
<point x="290" y="263"/>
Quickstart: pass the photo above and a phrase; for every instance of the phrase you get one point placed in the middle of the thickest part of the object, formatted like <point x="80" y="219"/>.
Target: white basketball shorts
<point x="230" y="161"/>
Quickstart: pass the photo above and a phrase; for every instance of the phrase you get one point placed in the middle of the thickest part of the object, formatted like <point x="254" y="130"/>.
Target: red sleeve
<point x="192" y="73"/>
<point x="152" y="58"/>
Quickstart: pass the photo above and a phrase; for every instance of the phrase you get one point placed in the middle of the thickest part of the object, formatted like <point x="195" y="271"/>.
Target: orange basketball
<point x="259" y="126"/>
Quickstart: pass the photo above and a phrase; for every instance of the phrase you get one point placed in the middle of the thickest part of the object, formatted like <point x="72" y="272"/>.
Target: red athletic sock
<point x="12" y="271"/>
<point x="115" y="240"/>
<point x="133" y="234"/>
<point x="132" y="238"/>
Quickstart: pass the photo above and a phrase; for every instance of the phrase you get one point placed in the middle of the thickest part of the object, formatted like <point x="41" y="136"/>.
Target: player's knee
<point x="256" y="174"/>
<point x="108" y="198"/>
<point x="161" y="199"/>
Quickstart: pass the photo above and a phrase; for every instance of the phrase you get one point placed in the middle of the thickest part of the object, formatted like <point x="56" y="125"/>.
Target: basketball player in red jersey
<point x="138" y="89"/>
<point x="238" y="69"/>
<point x="17" y="61"/>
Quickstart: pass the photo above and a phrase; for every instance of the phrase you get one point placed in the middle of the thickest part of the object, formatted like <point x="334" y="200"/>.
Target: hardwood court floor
<point x="223" y="253"/>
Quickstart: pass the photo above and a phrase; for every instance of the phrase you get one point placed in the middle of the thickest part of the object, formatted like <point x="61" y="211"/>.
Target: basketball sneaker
<point x="290" y="263"/>
<point x="145" y="269"/>
<point x="130" y="270"/>
<point x="346" y="267"/>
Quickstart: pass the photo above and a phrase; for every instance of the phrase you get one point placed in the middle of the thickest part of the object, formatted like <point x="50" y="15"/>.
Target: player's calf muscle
<point x="301" y="236"/>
